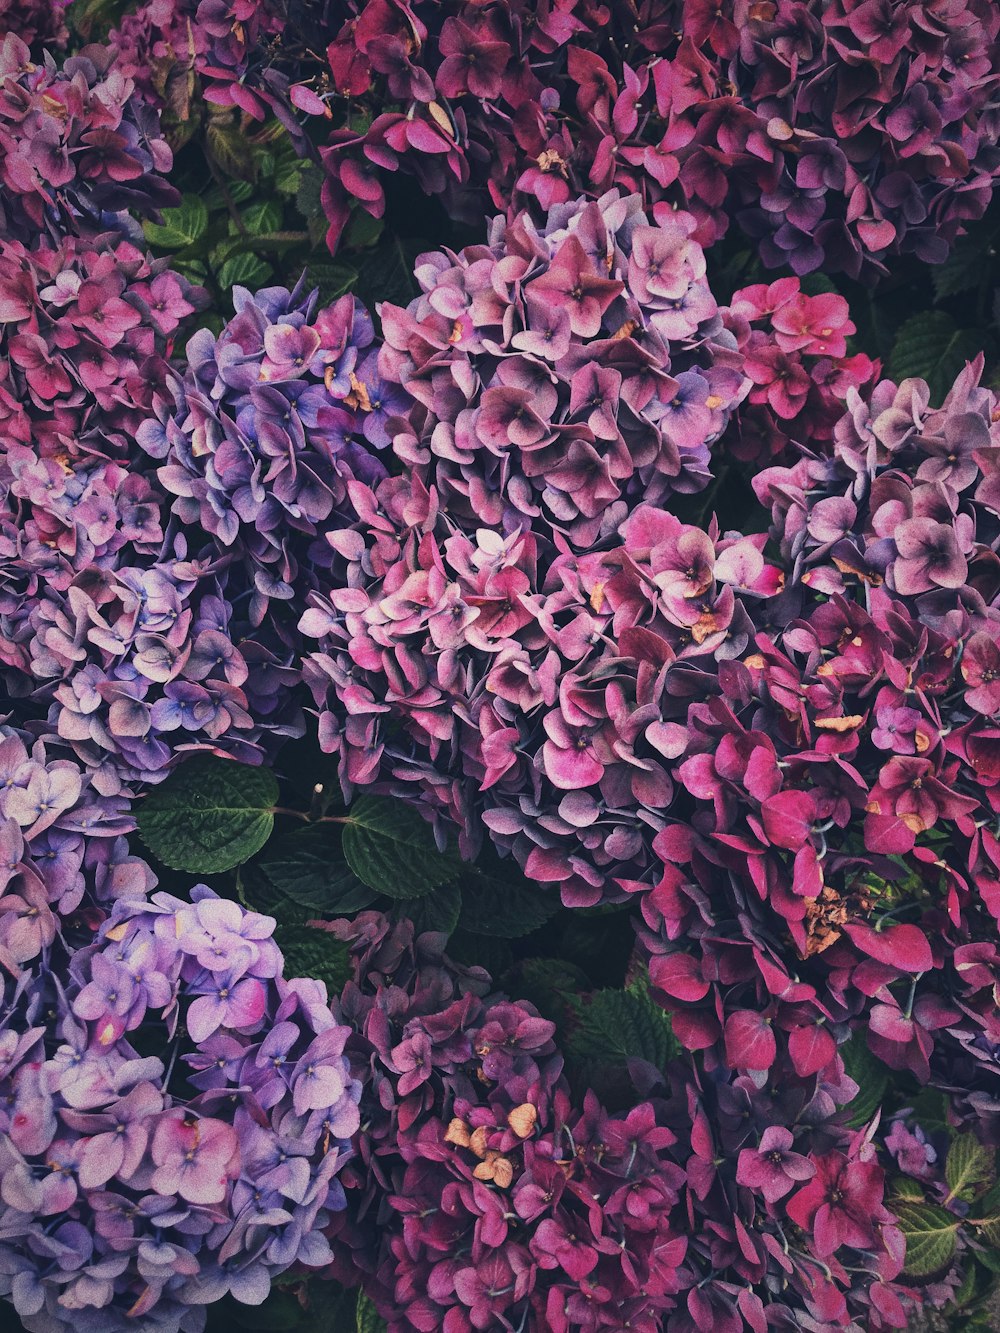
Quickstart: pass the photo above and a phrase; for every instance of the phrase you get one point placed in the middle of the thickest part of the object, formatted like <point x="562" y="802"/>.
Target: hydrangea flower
<point x="268" y="425"/>
<point x="481" y="1195"/>
<point x="559" y="374"/>
<point x="78" y="151"/>
<point x="161" y="1184"/>
<point x="869" y="132"/>
<point x="532" y="693"/>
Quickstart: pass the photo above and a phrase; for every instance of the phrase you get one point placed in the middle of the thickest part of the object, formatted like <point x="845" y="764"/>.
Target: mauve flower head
<point x="36" y="22"/>
<point x="77" y="149"/>
<point x="536" y="693"/>
<point x="481" y="1195"/>
<point x="833" y="135"/>
<point x="173" y="1190"/>
<point x="559" y="373"/>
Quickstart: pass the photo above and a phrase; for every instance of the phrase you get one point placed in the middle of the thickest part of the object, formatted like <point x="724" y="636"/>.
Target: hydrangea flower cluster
<point x="35" y="21"/>
<point x="131" y="1191"/>
<point x="837" y="134"/>
<point x="560" y="374"/>
<point x="788" y="1220"/>
<point x="455" y="664"/>
<point x="63" y="854"/>
<point x="491" y="1201"/>
<point x="794" y="349"/>
<point x="76" y="148"/>
<point x="176" y="50"/>
<point x="84" y="325"/>
<point x="267" y="426"/>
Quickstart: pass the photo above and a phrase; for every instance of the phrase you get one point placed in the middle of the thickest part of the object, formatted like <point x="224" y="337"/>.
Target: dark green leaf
<point x="308" y="867"/>
<point x="308" y="196"/>
<point x="615" y="1026"/>
<point x="966" y="268"/>
<point x="550" y="984"/>
<point x="311" y="952"/>
<point x="367" y="1317"/>
<point x="495" y="955"/>
<point x="260" y="218"/>
<point x="181" y="226"/>
<point x="230" y="149"/>
<point x="500" y="901"/>
<point x="930" y="1233"/>
<point x="333" y="280"/>
<point x="385" y="273"/>
<point x="209" y="815"/>
<point x="437" y="911"/>
<point x="391" y="848"/>
<point x="869" y="1074"/>
<point x="931" y="346"/>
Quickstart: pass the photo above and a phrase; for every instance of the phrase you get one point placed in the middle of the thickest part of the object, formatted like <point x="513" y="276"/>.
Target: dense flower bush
<point x="130" y="1191"/>
<point x="710" y="804"/>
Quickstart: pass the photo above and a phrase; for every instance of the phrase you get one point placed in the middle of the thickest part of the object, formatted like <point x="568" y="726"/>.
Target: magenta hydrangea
<point x="836" y="134"/>
<point x="557" y="376"/>
<point x="77" y="151"/>
<point x="543" y="697"/>
<point x="85" y="328"/>
<point x="482" y="1198"/>
<point x="136" y="1186"/>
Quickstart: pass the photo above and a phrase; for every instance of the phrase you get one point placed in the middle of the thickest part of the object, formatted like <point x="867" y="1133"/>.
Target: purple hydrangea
<point x="145" y="1187"/>
<point x="268" y="425"/>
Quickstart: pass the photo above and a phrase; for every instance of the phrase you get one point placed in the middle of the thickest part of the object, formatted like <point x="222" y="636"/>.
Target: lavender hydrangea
<point x="559" y="374"/>
<point x="140" y="1187"/>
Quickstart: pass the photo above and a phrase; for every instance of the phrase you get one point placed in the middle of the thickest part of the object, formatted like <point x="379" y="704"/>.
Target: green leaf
<point x="968" y="1166"/>
<point x="931" y="346"/>
<point x="551" y="985"/>
<point x="905" y="1187"/>
<point x="311" y="952"/>
<point x="930" y="1233"/>
<point x="930" y="1110"/>
<point x="209" y="815"/>
<point x="385" y="273"/>
<point x="616" y="1025"/>
<point x="230" y="149"/>
<point x="261" y="218"/>
<point x="966" y="268"/>
<point x="218" y="198"/>
<point x="308" y="867"/>
<point x="367" y="1317"/>
<point x="869" y="1074"/>
<point x="181" y="227"/>
<point x="391" y="848"/>
<point x="500" y="901"/>
<point x="308" y="198"/>
<point x="495" y="955"/>
<point x="437" y="911"/>
<point x="246" y="270"/>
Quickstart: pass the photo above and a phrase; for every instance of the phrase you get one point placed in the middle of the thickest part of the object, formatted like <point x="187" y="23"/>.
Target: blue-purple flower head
<point x="269" y="423"/>
<point x="143" y="1188"/>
